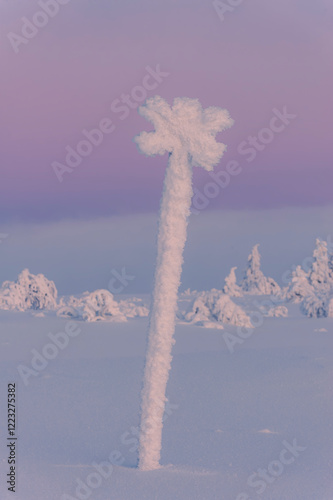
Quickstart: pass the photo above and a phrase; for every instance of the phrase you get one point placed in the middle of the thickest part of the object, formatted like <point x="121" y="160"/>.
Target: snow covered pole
<point x="187" y="133"/>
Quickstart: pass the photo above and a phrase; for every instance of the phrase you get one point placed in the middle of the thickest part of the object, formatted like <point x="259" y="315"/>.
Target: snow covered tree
<point x="187" y="133"/>
<point x="210" y="308"/>
<point x="299" y="286"/>
<point x="329" y="307"/>
<point x="230" y="284"/>
<point x="315" y="306"/>
<point x="100" y="305"/>
<point x="29" y="291"/>
<point x="318" y="302"/>
<point x="330" y="266"/>
<point x="255" y="282"/>
<point x="320" y="277"/>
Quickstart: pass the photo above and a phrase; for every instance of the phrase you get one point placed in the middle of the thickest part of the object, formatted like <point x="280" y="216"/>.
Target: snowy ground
<point x="230" y="414"/>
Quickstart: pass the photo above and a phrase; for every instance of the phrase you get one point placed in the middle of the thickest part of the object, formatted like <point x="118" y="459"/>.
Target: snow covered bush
<point x="100" y="306"/>
<point x="29" y="291"/>
<point x="255" y="282"/>
<point x="230" y="284"/>
<point x="212" y="307"/>
<point x="96" y="306"/>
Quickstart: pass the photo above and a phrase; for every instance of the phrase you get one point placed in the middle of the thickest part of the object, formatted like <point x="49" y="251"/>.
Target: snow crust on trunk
<point x="187" y="133"/>
<point x="171" y="241"/>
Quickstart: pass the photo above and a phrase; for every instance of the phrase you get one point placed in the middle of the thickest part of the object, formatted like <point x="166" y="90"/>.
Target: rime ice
<point x="187" y="132"/>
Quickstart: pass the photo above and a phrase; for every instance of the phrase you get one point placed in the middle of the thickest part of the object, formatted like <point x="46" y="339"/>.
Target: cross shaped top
<point x="184" y="126"/>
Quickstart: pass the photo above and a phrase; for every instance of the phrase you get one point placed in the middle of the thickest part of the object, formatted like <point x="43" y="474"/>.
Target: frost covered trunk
<point x="175" y="208"/>
<point x="187" y="132"/>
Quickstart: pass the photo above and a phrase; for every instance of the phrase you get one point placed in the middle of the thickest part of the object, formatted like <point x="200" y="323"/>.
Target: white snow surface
<point x="228" y="414"/>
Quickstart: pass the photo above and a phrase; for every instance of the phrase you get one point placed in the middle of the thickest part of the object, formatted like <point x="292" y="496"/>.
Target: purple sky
<point x="264" y="55"/>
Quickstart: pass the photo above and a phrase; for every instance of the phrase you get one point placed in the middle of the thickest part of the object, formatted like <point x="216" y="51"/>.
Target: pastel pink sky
<point x="264" y="55"/>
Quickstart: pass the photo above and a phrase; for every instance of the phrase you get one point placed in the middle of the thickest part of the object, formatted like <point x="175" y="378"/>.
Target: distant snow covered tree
<point x="318" y="302"/>
<point x="230" y="285"/>
<point x="187" y="133"/>
<point x="95" y="306"/>
<point x="320" y="277"/>
<point x="215" y="307"/>
<point x="255" y="282"/>
<point x="29" y="291"/>
<point x="100" y="305"/>
<point x="315" y="306"/>
<point x="299" y="286"/>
